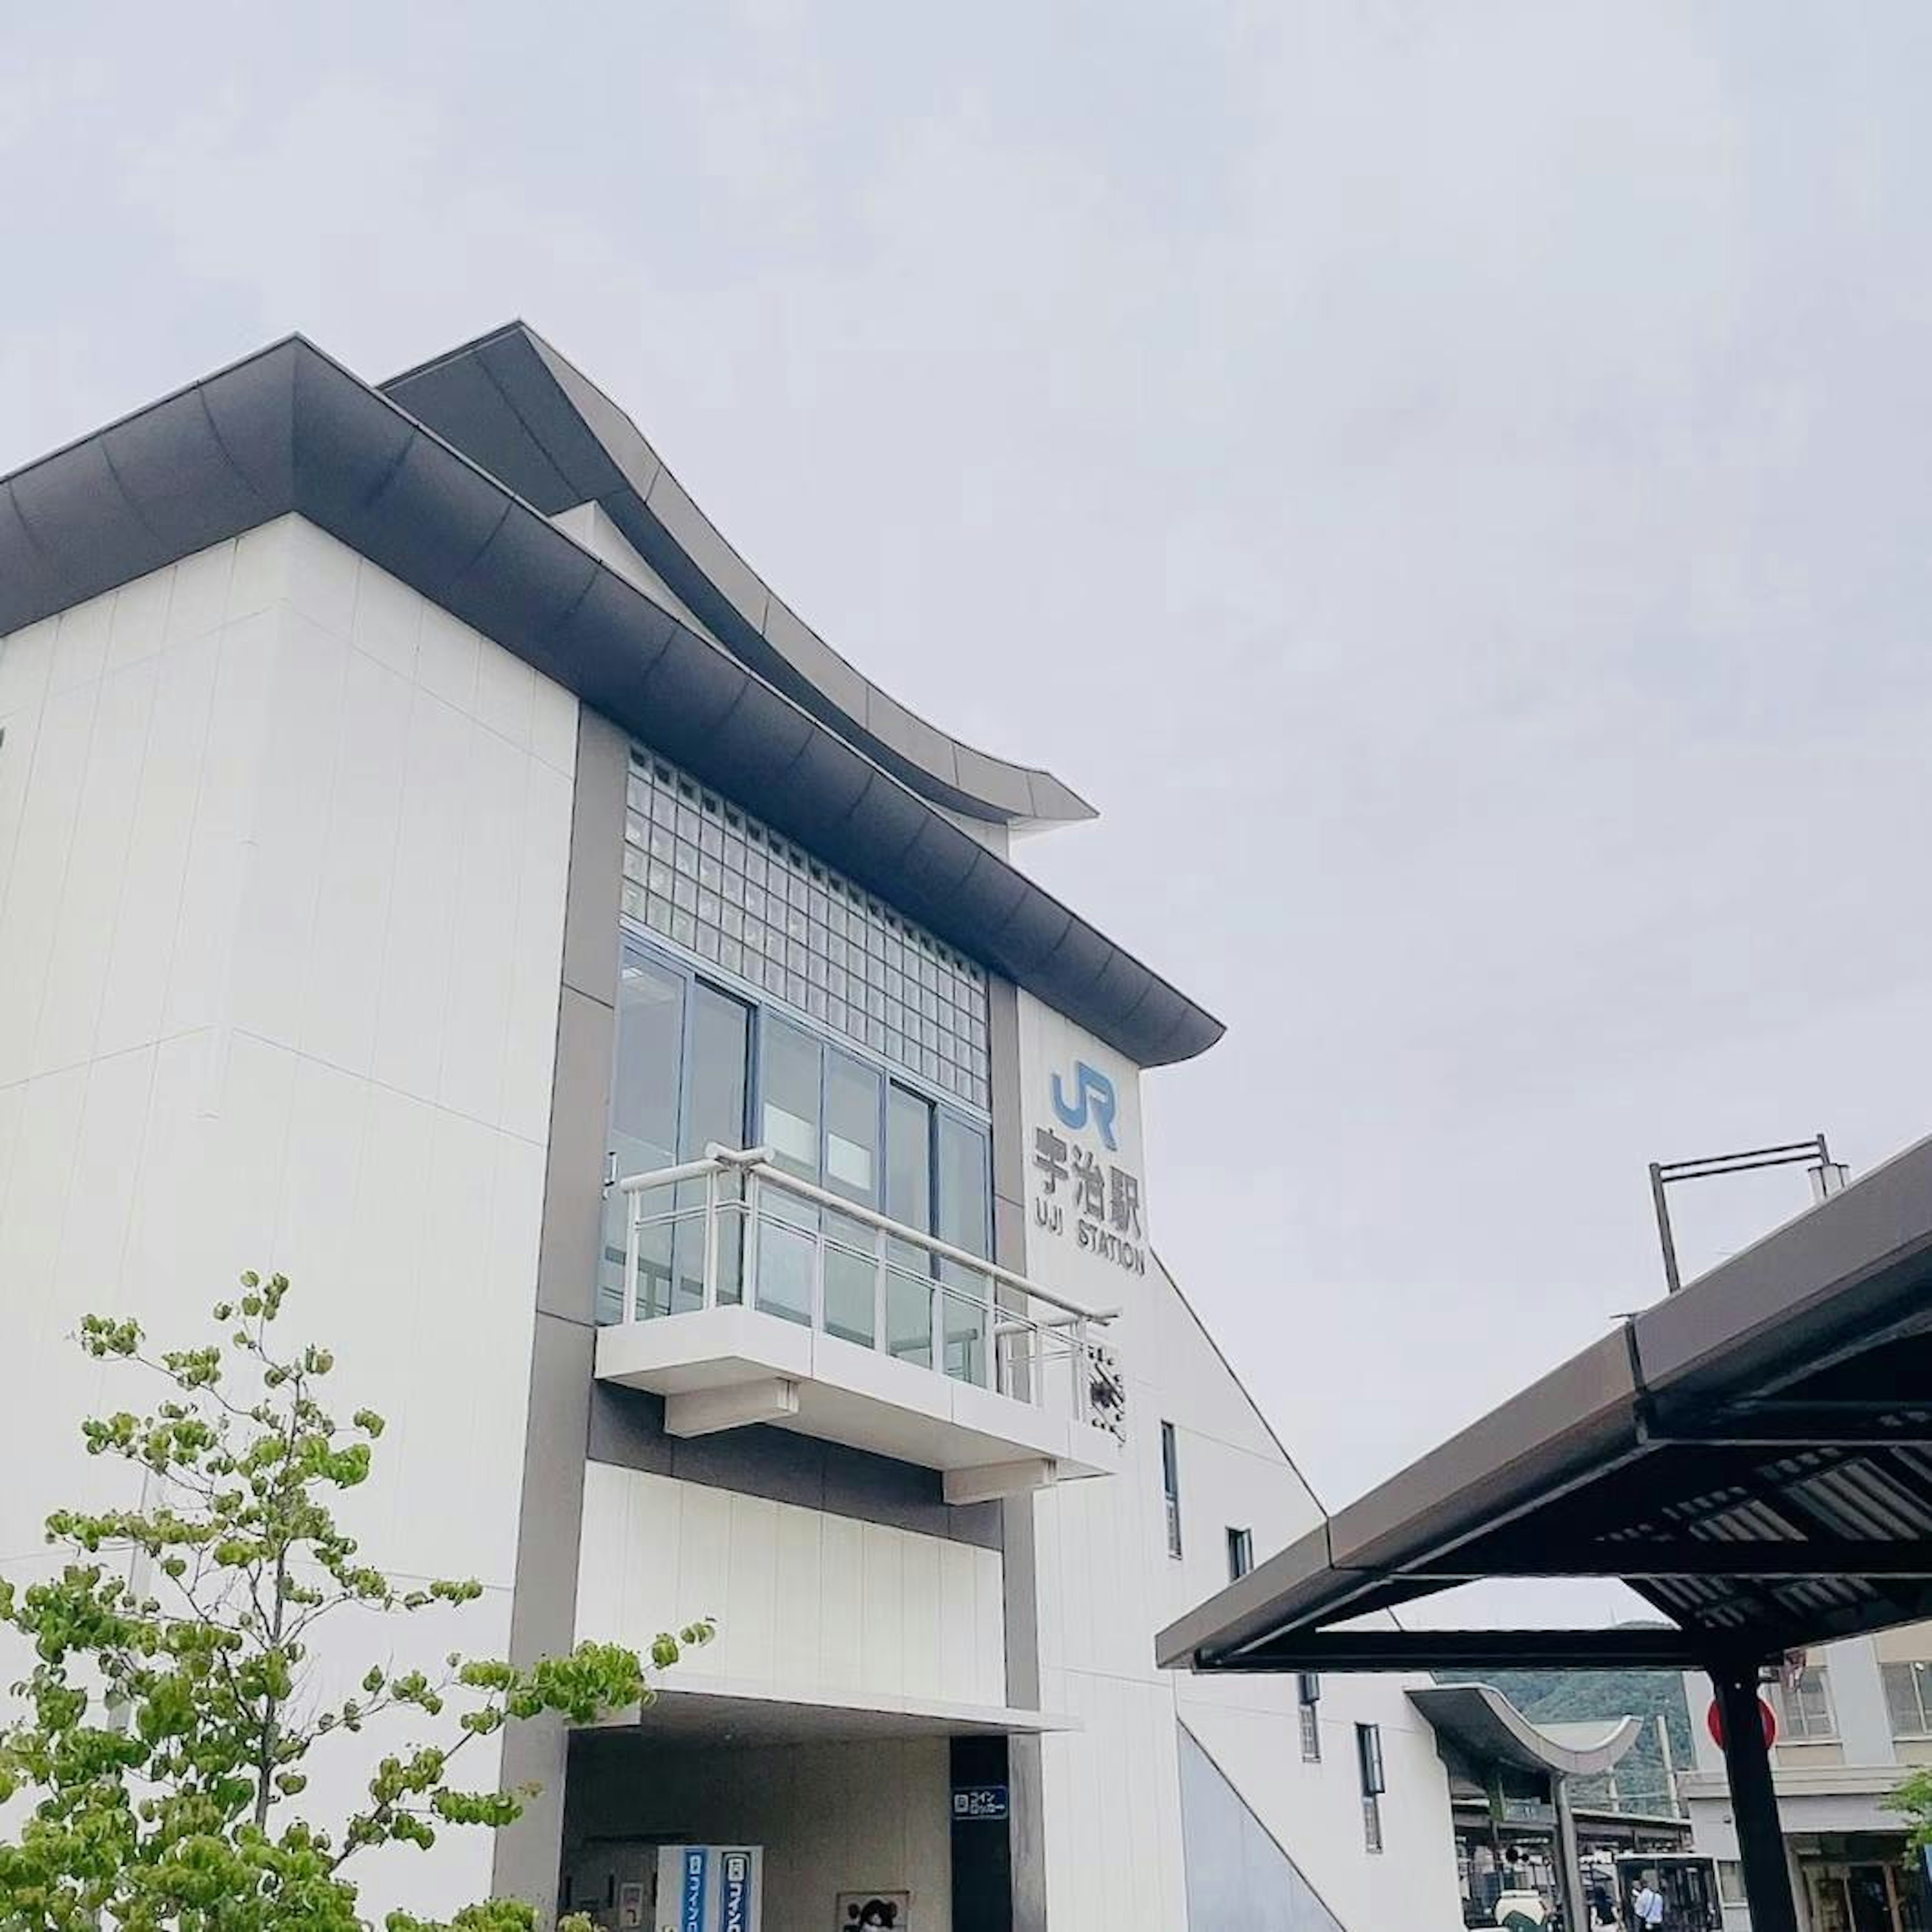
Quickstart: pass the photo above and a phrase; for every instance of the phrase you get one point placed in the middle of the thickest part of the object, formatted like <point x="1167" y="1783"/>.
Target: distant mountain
<point x="1577" y="1696"/>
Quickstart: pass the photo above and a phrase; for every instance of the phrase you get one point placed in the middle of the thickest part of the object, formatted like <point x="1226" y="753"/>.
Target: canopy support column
<point x="1753" y="1800"/>
<point x="1569" y="1861"/>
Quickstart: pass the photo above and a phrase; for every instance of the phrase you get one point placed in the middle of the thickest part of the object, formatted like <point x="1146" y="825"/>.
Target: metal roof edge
<point x="665" y="523"/>
<point x="1480" y="1718"/>
<point x="289" y="429"/>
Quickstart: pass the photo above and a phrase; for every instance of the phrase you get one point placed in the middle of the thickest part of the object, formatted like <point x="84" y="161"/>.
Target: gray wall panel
<point x="574" y="1180"/>
<point x="596" y="860"/>
<point x="543" y="1611"/>
<point x="627" y="1429"/>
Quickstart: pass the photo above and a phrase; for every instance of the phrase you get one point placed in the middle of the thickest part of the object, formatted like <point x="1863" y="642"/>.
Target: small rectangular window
<point x="1908" y="1697"/>
<point x="1368" y="1757"/>
<point x="1369" y="1746"/>
<point x="1808" y="1707"/>
<point x="1731" y="1883"/>
<point x="1240" y="1554"/>
<point x="1170" y="1484"/>
<point x="1308" y="1698"/>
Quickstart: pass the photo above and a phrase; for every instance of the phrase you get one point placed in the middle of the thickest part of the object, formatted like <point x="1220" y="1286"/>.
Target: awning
<point x="693" y="1710"/>
<point x="1753" y="1456"/>
<point x="1488" y="1729"/>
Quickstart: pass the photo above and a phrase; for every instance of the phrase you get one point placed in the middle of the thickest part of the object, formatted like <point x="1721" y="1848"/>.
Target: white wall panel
<point x="80" y="646"/>
<point x="280" y="932"/>
<point x="96" y="867"/>
<point x="810" y="1604"/>
<point x="1114" y="1856"/>
<point x="841" y="1599"/>
<point x="198" y="596"/>
<point x="751" y="1591"/>
<point x="52" y="745"/>
<point x="341" y="984"/>
<point x="138" y="946"/>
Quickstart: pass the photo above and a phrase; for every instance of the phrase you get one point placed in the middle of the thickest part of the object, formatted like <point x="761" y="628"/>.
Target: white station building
<point x="434" y="864"/>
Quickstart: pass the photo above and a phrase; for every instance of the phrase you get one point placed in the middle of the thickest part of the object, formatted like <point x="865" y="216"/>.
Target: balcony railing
<point x="736" y="1230"/>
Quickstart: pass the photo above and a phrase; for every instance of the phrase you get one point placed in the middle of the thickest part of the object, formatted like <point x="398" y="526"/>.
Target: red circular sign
<point x="1714" y="1722"/>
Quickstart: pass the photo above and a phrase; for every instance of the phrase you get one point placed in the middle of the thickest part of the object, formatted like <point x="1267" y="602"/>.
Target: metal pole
<point x="1569" y="1864"/>
<point x="1663" y="1227"/>
<point x="1753" y="1800"/>
<point x="711" y="1239"/>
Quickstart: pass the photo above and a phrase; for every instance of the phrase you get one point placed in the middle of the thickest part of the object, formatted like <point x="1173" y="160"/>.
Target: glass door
<point x="852" y="1094"/>
<point x="965" y="1221"/>
<point x="908" y="1311"/>
<point x="791" y="1073"/>
<point x="719" y="1081"/>
<point x="644" y="1107"/>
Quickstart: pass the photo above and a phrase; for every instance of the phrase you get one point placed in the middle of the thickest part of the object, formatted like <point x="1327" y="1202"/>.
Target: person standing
<point x="1648" y="1907"/>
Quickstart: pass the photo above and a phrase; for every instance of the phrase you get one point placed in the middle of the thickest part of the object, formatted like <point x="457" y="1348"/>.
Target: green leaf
<point x="160" y="1739"/>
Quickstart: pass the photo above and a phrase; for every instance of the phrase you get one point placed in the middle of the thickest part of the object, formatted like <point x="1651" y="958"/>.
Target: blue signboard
<point x="737" y="1866"/>
<point x="697" y="1872"/>
<point x="979" y="1801"/>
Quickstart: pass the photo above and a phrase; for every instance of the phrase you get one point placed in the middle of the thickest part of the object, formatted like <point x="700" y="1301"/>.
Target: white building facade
<point x="416" y="823"/>
<point x="1850" y="1727"/>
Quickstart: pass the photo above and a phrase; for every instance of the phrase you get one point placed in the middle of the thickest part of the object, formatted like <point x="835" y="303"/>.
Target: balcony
<point x="751" y="1296"/>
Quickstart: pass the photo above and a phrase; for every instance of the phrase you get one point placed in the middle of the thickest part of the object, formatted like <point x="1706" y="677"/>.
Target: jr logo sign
<point x="1104" y="1214"/>
<point x="1092" y="1098"/>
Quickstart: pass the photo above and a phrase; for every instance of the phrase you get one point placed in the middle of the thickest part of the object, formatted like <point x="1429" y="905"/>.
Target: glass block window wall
<point x="713" y="881"/>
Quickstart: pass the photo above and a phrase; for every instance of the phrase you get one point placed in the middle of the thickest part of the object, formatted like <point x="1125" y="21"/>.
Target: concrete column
<point x="1761" y="1853"/>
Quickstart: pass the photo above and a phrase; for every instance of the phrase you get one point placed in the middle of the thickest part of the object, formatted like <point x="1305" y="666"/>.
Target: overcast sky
<point x="1449" y="480"/>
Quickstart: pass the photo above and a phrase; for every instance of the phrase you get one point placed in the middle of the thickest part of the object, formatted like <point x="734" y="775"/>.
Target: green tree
<point x="1912" y="1801"/>
<point x="170" y="1711"/>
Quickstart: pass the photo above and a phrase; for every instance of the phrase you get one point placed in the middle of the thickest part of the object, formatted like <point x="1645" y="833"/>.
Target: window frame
<point x="1170" y="1488"/>
<point x="1792" y="1731"/>
<point x="812" y="914"/>
<point x="633" y="932"/>
<point x="1373" y="1775"/>
<point x="764" y="1010"/>
<point x="1918" y="1674"/>
<point x="1240" y="1552"/>
<point x="1308" y="1707"/>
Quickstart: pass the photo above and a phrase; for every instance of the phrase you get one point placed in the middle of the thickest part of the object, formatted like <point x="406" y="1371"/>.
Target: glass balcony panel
<point x="851" y="1281"/>
<point x="656" y="1209"/>
<point x="788" y="1255"/>
<point x="965" y="1324"/>
<point x="908" y="1304"/>
<point x="806" y="1257"/>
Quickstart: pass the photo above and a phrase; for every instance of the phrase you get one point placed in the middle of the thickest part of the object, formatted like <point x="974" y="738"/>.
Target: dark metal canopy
<point x="289" y="430"/>
<point x="1753" y="1456"/>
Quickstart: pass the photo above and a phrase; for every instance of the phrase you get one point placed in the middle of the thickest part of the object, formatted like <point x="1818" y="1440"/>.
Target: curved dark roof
<point x="289" y="430"/>
<point x="528" y="416"/>
<point x="1492" y="1730"/>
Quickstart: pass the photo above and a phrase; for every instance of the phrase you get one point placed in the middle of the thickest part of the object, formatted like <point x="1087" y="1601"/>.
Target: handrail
<point x="758" y="1161"/>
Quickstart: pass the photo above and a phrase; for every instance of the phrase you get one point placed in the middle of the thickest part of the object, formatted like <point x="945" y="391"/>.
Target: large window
<point x="739" y="897"/>
<point x="1808" y="1706"/>
<point x="1908" y="1696"/>
<point x="696" y="1065"/>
